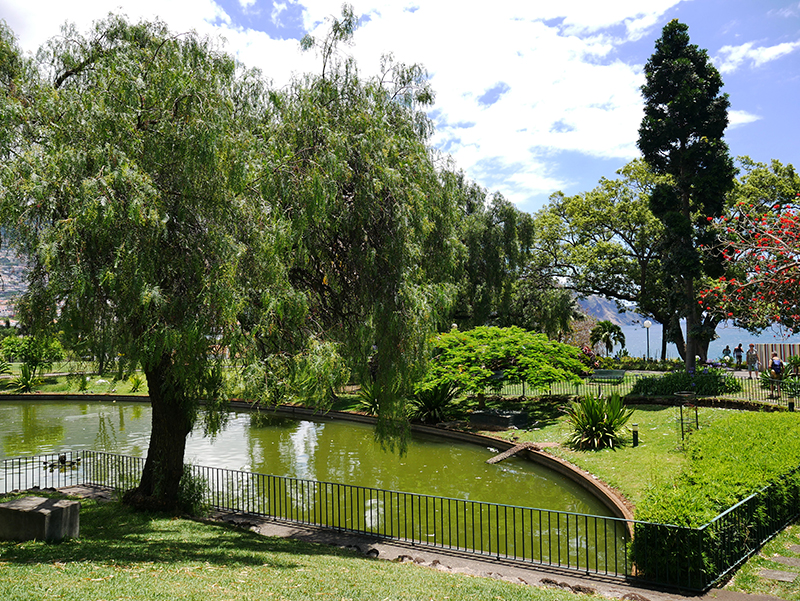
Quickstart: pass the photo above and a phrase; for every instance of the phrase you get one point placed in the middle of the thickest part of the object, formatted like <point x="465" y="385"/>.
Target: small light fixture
<point x="635" y="430"/>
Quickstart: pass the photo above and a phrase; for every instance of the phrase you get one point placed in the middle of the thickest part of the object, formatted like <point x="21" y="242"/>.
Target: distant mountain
<point x="603" y="309"/>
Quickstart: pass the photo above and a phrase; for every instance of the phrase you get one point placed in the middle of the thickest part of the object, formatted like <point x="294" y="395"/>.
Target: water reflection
<point x="26" y="430"/>
<point x="327" y="451"/>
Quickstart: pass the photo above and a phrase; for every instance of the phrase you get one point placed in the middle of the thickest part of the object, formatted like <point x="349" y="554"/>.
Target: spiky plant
<point x="434" y="405"/>
<point x="598" y="423"/>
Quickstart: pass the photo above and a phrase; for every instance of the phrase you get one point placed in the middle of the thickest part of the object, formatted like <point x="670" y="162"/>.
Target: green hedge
<point x="726" y="463"/>
<point x="713" y="382"/>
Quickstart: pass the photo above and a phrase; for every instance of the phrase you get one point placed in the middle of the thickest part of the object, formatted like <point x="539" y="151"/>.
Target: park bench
<point x="613" y="376"/>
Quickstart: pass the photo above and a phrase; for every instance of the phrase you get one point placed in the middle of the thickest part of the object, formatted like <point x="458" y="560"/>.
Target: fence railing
<point x="689" y="558"/>
<point x="781" y="393"/>
<point x="592" y="544"/>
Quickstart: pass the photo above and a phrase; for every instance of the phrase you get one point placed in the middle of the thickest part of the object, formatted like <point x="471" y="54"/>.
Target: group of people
<point x="753" y="363"/>
<point x="751" y="358"/>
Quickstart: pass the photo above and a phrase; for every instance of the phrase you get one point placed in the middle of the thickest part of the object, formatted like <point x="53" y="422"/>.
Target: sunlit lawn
<point x="126" y="555"/>
<point x="631" y="470"/>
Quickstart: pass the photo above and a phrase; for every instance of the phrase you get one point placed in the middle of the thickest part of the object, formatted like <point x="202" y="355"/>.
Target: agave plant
<point x="435" y="404"/>
<point x="26" y="381"/>
<point x="368" y="400"/>
<point x="598" y="423"/>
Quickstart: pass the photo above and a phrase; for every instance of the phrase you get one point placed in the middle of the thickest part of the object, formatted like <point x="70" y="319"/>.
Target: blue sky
<point x="531" y="97"/>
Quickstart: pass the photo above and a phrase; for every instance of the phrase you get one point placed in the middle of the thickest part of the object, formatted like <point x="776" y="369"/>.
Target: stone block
<point x="39" y="518"/>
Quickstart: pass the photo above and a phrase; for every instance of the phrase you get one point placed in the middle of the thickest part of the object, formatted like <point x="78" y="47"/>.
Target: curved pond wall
<point x="605" y="494"/>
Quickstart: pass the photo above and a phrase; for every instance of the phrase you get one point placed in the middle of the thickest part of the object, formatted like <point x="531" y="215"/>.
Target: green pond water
<point x="326" y="450"/>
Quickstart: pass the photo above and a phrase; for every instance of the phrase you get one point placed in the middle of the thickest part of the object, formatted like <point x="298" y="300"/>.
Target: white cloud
<point x="732" y="58"/>
<point x="739" y="118"/>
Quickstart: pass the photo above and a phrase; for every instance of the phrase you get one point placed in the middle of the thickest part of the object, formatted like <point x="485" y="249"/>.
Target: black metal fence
<point x="592" y="544"/>
<point x="689" y="558"/>
<point x="749" y="390"/>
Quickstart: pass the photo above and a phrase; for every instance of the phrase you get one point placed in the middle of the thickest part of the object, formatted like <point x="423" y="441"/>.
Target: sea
<point x="728" y="334"/>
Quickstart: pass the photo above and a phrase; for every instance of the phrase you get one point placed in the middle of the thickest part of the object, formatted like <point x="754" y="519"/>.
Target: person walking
<point x="738" y="353"/>
<point x="776" y="373"/>
<point x="752" y="361"/>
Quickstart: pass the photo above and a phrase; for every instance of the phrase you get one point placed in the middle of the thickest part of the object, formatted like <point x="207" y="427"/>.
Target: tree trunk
<point x="663" y="342"/>
<point x="691" y="325"/>
<point x="172" y="422"/>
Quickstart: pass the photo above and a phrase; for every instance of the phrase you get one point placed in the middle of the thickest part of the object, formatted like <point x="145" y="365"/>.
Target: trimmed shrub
<point x="709" y="383"/>
<point x="726" y="463"/>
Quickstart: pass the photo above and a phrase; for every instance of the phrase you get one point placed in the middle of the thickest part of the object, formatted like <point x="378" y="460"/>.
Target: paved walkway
<point x="452" y="561"/>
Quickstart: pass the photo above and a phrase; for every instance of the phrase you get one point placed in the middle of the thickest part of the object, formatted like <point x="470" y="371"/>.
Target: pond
<point x="324" y="450"/>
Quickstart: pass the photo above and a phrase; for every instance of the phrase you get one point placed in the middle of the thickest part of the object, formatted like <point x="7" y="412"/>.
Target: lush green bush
<point x="191" y="494"/>
<point x="726" y="462"/>
<point x="483" y="358"/>
<point x="35" y="352"/>
<point x="598" y="423"/>
<point x="711" y="382"/>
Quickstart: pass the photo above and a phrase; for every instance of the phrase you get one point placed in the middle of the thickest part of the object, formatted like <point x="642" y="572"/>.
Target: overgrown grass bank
<point x="126" y="555"/>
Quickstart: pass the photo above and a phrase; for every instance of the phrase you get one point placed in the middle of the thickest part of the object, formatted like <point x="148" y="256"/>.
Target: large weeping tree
<point x="127" y="190"/>
<point x="373" y="227"/>
<point x="681" y="135"/>
<point x="165" y="200"/>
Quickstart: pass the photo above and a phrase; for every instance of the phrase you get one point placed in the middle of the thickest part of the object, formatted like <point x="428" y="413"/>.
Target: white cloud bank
<point x="561" y="84"/>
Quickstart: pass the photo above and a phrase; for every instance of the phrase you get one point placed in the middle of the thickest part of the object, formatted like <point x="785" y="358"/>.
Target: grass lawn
<point x="748" y="580"/>
<point x="127" y="555"/>
<point x="631" y="470"/>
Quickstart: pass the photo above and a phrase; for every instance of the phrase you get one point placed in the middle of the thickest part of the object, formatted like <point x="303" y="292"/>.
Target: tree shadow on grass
<point x="113" y="533"/>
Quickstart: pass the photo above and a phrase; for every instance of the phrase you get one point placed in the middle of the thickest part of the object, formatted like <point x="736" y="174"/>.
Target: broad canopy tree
<point x="161" y="192"/>
<point x="681" y="135"/>
<point x="128" y="191"/>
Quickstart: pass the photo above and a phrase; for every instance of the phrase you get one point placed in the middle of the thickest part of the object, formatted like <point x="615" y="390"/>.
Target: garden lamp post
<point x="647" y="325"/>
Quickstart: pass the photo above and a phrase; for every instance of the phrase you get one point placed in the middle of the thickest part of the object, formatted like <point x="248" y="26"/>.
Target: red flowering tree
<point x="761" y="243"/>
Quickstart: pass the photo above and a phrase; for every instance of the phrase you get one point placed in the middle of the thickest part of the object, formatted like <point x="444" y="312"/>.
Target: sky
<point x="531" y="97"/>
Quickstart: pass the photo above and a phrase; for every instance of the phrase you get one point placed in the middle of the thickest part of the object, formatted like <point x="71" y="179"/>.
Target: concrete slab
<point x="793" y="562"/>
<point x="39" y="518"/>
<point x="777" y="575"/>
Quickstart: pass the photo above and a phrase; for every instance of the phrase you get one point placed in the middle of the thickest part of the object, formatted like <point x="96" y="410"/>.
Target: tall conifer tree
<point x="681" y="135"/>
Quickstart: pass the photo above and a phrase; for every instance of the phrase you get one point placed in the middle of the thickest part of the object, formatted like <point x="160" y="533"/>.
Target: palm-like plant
<point x="434" y="405"/>
<point x="598" y="423"/>
<point x="608" y="334"/>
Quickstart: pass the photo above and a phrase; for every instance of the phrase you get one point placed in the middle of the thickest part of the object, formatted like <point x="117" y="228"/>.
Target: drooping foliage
<point x="168" y="201"/>
<point x="128" y="192"/>
<point x="372" y="226"/>
<point x="681" y="135"/>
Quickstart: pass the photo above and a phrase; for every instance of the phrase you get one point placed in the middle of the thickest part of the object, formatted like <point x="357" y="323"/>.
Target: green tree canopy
<point x="479" y="359"/>
<point x="681" y="135"/>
